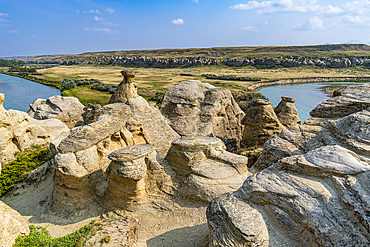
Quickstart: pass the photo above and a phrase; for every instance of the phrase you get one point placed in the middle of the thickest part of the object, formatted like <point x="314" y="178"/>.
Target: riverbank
<point x="34" y="79"/>
<point x="259" y="85"/>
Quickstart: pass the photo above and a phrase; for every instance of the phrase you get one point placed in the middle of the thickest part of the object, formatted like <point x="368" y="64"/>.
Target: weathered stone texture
<point x="11" y="225"/>
<point x="197" y="108"/>
<point x="69" y="110"/>
<point x="126" y="90"/>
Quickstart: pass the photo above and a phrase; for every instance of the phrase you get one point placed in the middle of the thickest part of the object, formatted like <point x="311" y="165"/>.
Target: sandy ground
<point x="168" y="222"/>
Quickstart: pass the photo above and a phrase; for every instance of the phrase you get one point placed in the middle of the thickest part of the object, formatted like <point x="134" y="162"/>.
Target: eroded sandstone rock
<point x="126" y="90"/>
<point x="18" y="132"/>
<point x="11" y="225"/>
<point x="205" y="168"/>
<point x="129" y="176"/>
<point x="287" y="113"/>
<point x="69" y="110"/>
<point x="91" y="114"/>
<point x="260" y="123"/>
<point x="197" y="108"/>
<point x="315" y="199"/>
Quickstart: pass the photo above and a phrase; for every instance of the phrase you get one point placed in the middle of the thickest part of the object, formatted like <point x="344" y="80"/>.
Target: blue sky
<point x="39" y="27"/>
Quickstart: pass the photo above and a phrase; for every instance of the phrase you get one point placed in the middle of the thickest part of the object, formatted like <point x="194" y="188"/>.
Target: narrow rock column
<point x="126" y="175"/>
<point x="287" y="113"/>
<point x="126" y="90"/>
<point x="260" y="123"/>
<point x="2" y="109"/>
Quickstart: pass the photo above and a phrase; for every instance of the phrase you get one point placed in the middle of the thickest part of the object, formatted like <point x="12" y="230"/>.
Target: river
<point x="308" y="95"/>
<point x="19" y="92"/>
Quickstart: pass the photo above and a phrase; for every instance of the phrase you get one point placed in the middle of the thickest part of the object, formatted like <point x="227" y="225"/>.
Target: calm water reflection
<point x="19" y="92"/>
<point x="308" y="95"/>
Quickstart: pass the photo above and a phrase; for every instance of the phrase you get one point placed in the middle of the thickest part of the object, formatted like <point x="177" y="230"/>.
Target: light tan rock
<point x="205" y="169"/>
<point x="287" y="113"/>
<point x="197" y="108"/>
<point x="11" y="225"/>
<point x="18" y="132"/>
<point x="149" y="126"/>
<point x="69" y="110"/>
<point x="126" y="90"/>
<point x="260" y="123"/>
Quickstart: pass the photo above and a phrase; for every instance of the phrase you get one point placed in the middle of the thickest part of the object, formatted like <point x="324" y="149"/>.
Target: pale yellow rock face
<point x="287" y="113"/>
<point x="126" y="90"/>
<point x="11" y="225"/>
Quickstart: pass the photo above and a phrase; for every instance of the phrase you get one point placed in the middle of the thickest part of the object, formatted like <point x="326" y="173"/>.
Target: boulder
<point x="18" y="132"/>
<point x="11" y="225"/>
<point x="205" y="169"/>
<point x="69" y="110"/>
<point x="287" y="113"/>
<point x="197" y="108"/>
<point x="319" y="198"/>
<point x="126" y="90"/>
<point x="260" y="123"/>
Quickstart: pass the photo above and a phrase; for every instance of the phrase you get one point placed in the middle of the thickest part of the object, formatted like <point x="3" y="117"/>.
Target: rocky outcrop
<point x="197" y="108"/>
<point x="311" y="188"/>
<point x="340" y="120"/>
<point x="260" y="123"/>
<point x="91" y="113"/>
<point x="82" y="158"/>
<point x="205" y="169"/>
<point x="69" y="110"/>
<point x="315" y="199"/>
<point x="18" y="132"/>
<point x="11" y="225"/>
<point x="126" y="90"/>
<point x="133" y="174"/>
<point x="287" y="113"/>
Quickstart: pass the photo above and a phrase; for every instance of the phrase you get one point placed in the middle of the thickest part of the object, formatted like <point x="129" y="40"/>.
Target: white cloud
<point x="252" y="29"/>
<point x="12" y="31"/>
<point x="110" y="23"/>
<point x="92" y="12"/>
<point x="359" y="7"/>
<point x="313" y="24"/>
<point x="195" y="1"/>
<point x="104" y="30"/>
<point x="275" y="6"/>
<point x="98" y="18"/>
<point x="110" y="11"/>
<point x="87" y="29"/>
<point x="77" y="11"/>
<point x="178" y="21"/>
<point x="4" y="15"/>
<point x="357" y="20"/>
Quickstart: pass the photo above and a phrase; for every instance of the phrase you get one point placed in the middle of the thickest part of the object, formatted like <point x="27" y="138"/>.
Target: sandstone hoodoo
<point x="69" y="110"/>
<point x="205" y="169"/>
<point x="311" y="188"/>
<point x="126" y="90"/>
<point x="287" y="113"/>
<point x="260" y="123"/>
<point x="197" y="108"/>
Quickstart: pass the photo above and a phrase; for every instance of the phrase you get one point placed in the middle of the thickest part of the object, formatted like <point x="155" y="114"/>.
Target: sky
<point x="30" y="27"/>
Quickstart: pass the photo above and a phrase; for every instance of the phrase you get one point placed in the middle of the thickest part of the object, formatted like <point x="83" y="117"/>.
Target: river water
<point x="308" y="95"/>
<point x="19" y="92"/>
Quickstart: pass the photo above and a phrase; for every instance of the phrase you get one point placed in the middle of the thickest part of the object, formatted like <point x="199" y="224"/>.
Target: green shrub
<point x="24" y="163"/>
<point x="40" y="237"/>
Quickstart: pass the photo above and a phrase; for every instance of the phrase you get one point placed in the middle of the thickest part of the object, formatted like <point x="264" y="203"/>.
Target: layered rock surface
<point x="312" y="185"/>
<point x="205" y="169"/>
<point x="197" y="108"/>
<point x="11" y="225"/>
<point x="18" y="132"/>
<point x="69" y="110"/>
